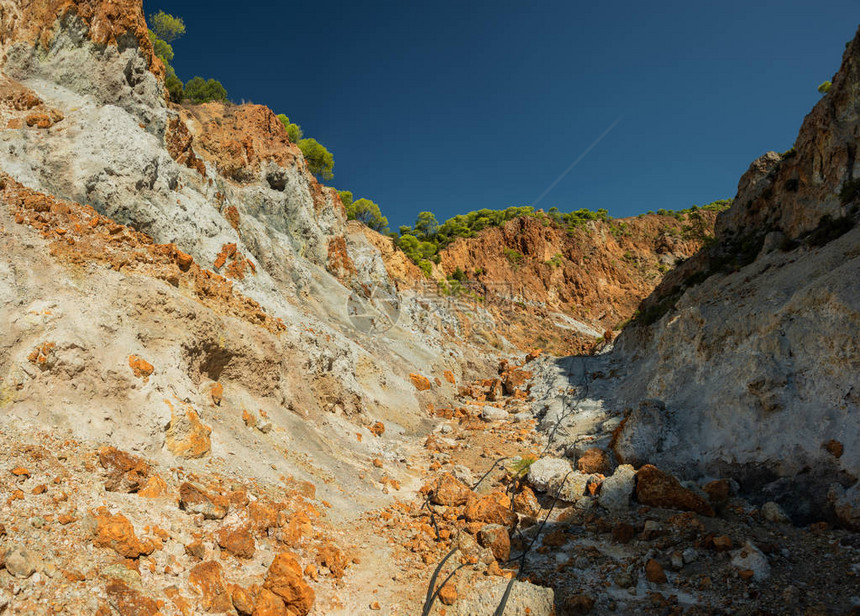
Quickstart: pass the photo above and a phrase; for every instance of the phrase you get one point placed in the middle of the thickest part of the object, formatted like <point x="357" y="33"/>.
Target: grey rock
<point x="750" y="557"/>
<point x="772" y="512"/>
<point x="617" y="489"/>
<point x="547" y="473"/>
<point x="525" y="599"/>
<point x="491" y="413"/>
<point x="20" y="562"/>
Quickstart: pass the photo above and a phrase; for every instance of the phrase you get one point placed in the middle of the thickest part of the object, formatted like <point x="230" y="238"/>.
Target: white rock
<point x="547" y="473"/>
<point x="525" y="599"/>
<point x="491" y="413"/>
<point x="750" y="557"/>
<point x="617" y="489"/>
<point x="574" y="487"/>
<point x="772" y="512"/>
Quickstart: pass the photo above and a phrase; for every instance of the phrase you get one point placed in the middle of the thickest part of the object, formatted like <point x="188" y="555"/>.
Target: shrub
<point x="166" y="27"/>
<point x="367" y="212"/>
<point x="514" y="256"/>
<point x="199" y="90"/>
<point x="320" y="161"/>
<point x="294" y="131"/>
<point x="824" y="88"/>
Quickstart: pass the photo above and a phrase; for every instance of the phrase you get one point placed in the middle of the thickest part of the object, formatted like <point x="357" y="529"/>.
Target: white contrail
<point x="574" y="163"/>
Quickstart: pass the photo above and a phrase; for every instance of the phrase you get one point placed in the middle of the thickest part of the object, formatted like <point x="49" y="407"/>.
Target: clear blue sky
<point x="452" y="106"/>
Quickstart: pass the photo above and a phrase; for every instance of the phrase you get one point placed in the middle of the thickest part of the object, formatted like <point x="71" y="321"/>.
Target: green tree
<point x="173" y="84"/>
<point x="426" y="224"/>
<point x="199" y="90"/>
<point x="320" y="161"/>
<point x="294" y="131"/>
<point x="166" y="27"/>
<point x="824" y="88"/>
<point x="346" y="198"/>
<point x="367" y="212"/>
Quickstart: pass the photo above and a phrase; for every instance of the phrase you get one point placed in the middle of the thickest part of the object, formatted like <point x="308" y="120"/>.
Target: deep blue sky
<point x="453" y="106"/>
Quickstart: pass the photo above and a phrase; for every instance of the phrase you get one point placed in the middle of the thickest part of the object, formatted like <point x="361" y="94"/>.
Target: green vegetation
<point x="514" y="256"/>
<point x="555" y="260"/>
<point x="199" y="90"/>
<point x="824" y="88"/>
<point x="164" y="29"/>
<point x="364" y="211"/>
<point x="294" y="131"/>
<point x="320" y="161"/>
<point x="520" y="466"/>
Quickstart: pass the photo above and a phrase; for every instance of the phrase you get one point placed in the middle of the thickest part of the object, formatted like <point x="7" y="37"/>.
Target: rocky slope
<point x="751" y="345"/>
<point x="556" y="288"/>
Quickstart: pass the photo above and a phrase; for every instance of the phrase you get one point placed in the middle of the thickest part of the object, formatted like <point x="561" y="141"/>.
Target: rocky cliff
<point x="752" y="343"/>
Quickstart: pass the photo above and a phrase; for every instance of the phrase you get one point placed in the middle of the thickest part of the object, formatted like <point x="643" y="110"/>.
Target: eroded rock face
<point x="750" y="344"/>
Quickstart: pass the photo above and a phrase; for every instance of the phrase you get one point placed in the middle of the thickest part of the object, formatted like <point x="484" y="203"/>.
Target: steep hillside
<point x="752" y="343"/>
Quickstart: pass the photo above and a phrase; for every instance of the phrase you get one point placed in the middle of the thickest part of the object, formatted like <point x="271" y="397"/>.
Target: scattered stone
<point x="448" y="593"/>
<point x="654" y="572"/>
<point x="526" y="503"/>
<point x="658" y="489"/>
<point x="264" y="426"/>
<point x="547" y="473"/>
<point x="463" y="474"/>
<point x="141" y="368"/>
<point x="623" y="532"/>
<point x="594" y="461"/>
<point x="574" y="486"/>
<point x="491" y="413"/>
<point x="722" y="543"/>
<point x="377" y="429"/>
<point x="834" y="448"/>
<point x="333" y="559"/>
<point x="772" y="512"/>
<point x="491" y="509"/>
<point x="237" y="541"/>
<point x="126" y="473"/>
<point x="284" y="578"/>
<point x="449" y="491"/>
<point x="20" y="562"/>
<point x="129" y="601"/>
<point x="846" y="504"/>
<point x="194" y="500"/>
<point x="186" y="436"/>
<point x="207" y="578"/>
<point x="496" y="537"/>
<point x="120" y="572"/>
<point x="217" y="393"/>
<point x="616" y="490"/>
<point x="421" y="383"/>
<point x="718" y="491"/>
<point x="750" y="558"/>
<point x="117" y="533"/>
<point x="578" y="605"/>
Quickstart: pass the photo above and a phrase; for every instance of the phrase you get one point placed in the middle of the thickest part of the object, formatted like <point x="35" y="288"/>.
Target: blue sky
<point x="456" y="106"/>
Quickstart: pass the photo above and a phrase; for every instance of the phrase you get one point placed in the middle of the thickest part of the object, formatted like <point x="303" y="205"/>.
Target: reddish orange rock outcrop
<point x="286" y="580"/>
<point x="658" y="489"/>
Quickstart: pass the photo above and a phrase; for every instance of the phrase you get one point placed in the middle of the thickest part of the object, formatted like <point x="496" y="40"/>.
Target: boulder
<point x="285" y="579"/>
<point x="496" y="537"/>
<point x="491" y="509"/>
<point x="750" y="558"/>
<point x="547" y="473"/>
<point x="658" y="489"/>
<point x="525" y="599"/>
<point x="846" y="504"/>
<point x="449" y="491"/>
<point x="594" y="461"/>
<point x="616" y="490"/>
<point x="195" y="500"/>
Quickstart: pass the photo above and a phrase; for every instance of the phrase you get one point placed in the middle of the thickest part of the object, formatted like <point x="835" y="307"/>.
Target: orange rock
<point x="526" y="503"/>
<point x="181" y="603"/>
<point x="20" y="471"/>
<point x="449" y="376"/>
<point x="449" y="491"/>
<point x="490" y="510"/>
<point x="39" y="489"/>
<point x="155" y="487"/>
<point x="243" y="600"/>
<point x="270" y="604"/>
<point x="195" y="500"/>
<point x="232" y="216"/>
<point x="533" y="354"/>
<point x="237" y="541"/>
<point x="183" y="260"/>
<point x="217" y="392"/>
<point x="284" y="578"/>
<point x="126" y="473"/>
<point x="718" y="491"/>
<point x="654" y="572"/>
<point x="496" y="537"/>
<point x="130" y="602"/>
<point x="250" y="420"/>
<point x="658" y="489"/>
<point x="377" y="463"/>
<point x="555" y="538"/>
<point x="117" y="533"/>
<point x="334" y="559"/>
<point x="263" y="515"/>
<point x="746" y="574"/>
<point x="834" y="448"/>
<point x="206" y="578"/>
<point x="140" y="367"/>
<point x="187" y="436"/>
<point x="722" y="543"/>
<point x="623" y="532"/>
<point x="448" y="593"/>
<point x="421" y="383"/>
<point x="377" y="429"/>
<point x="227" y="251"/>
<point x="594" y="461"/>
